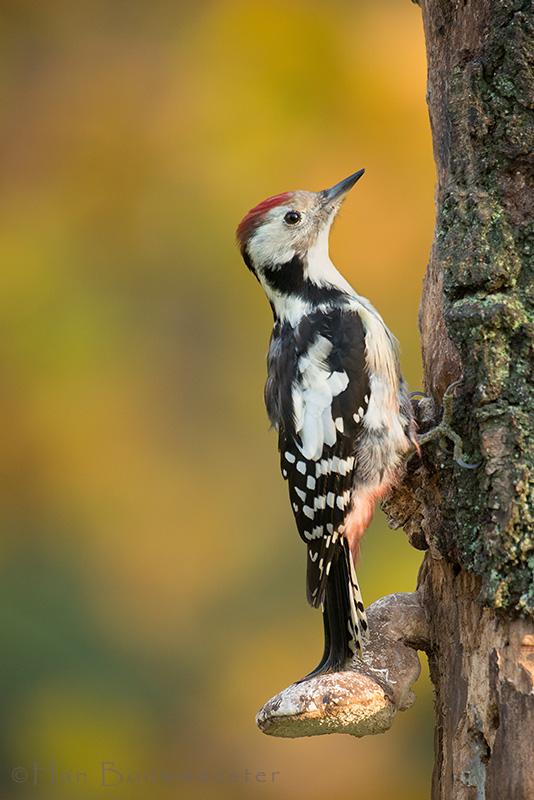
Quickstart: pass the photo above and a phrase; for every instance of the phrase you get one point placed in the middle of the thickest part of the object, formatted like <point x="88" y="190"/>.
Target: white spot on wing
<point x="337" y="382"/>
<point x="329" y="428"/>
<point x="343" y="500"/>
<point x="309" y="512"/>
<point x="319" y="502"/>
<point x="312" y="398"/>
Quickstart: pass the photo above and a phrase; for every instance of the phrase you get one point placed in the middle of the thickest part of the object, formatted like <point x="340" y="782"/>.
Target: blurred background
<point x="151" y="577"/>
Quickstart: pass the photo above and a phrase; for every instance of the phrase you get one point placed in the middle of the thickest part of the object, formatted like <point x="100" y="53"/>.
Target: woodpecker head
<point x="284" y="242"/>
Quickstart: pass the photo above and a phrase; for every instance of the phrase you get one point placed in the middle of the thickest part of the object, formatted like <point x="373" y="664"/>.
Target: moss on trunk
<point x="481" y="101"/>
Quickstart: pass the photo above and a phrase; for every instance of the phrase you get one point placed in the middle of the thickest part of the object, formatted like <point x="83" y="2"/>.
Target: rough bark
<point x="476" y="319"/>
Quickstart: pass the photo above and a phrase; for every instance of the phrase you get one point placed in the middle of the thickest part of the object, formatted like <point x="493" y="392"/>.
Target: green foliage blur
<point x="152" y="580"/>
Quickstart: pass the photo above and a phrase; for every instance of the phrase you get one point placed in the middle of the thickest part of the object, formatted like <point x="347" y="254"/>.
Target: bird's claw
<point x="444" y="431"/>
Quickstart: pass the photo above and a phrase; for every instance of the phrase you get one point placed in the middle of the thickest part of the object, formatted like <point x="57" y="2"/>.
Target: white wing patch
<point x="312" y="399"/>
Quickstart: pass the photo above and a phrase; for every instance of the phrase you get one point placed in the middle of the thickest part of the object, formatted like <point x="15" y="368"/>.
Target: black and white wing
<point x="320" y="422"/>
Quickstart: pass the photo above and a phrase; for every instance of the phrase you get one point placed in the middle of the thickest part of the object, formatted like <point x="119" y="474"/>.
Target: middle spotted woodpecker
<point x="336" y="396"/>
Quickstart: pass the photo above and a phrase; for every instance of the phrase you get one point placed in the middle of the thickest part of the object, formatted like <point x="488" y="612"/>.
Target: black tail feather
<point x="341" y="619"/>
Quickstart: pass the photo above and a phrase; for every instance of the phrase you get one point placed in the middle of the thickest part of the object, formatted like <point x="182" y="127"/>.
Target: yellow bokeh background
<point x="152" y="580"/>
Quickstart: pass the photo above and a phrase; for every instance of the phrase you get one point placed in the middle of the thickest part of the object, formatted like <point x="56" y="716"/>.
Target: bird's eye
<point x="292" y="217"/>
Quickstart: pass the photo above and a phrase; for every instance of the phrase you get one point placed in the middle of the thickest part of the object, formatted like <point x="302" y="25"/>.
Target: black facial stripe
<point x="288" y="279"/>
<point x="248" y="261"/>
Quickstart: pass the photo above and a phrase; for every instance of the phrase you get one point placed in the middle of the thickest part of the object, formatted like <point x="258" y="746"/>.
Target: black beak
<point x="338" y="192"/>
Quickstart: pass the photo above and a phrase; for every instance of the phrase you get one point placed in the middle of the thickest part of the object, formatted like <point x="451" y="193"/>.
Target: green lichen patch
<point x="475" y="245"/>
<point x="485" y="247"/>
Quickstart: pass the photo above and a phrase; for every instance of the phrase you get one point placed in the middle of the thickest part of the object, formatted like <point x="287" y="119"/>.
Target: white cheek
<point x="271" y="244"/>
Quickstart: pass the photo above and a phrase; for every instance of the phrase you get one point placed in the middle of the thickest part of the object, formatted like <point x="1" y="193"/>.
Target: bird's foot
<point x="444" y="430"/>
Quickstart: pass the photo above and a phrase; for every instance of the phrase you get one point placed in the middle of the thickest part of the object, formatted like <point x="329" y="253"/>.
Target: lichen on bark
<point x="484" y="249"/>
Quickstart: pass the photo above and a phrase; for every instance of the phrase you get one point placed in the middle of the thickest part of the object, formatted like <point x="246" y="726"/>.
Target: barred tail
<point x="345" y="623"/>
<point x="357" y="624"/>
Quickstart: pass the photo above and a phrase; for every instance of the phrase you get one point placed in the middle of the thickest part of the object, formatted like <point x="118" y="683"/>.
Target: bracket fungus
<point x="363" y="699"/>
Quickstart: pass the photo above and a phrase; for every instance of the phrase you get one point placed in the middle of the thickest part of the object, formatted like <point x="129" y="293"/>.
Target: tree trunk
<point x="476" y="319"/>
